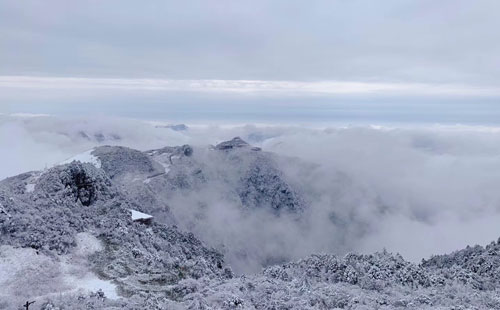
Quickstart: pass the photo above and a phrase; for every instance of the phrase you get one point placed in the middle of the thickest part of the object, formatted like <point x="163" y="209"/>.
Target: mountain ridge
<point x="157" y="265"/>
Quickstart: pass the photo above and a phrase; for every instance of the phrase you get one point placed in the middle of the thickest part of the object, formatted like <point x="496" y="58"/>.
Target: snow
<point x="468" y="278"/>
<point x="91" y="283"/>
<point x="77" y="276"/>
<point x="85" y="157"/>
<point x="11" y="262"/>
<point x="136" y="215"/>
<point x="165" y="166"/>
<point x="86" y="244"/>
<point x="30" y="187"/>
<point x="22" y="266"/>
<point x="31" y="182"/>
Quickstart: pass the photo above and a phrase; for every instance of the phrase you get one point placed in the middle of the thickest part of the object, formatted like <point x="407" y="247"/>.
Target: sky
<point x="246" y="61"/>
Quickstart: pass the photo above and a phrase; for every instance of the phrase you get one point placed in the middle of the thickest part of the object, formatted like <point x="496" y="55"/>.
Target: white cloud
<point x="281" y="88"/>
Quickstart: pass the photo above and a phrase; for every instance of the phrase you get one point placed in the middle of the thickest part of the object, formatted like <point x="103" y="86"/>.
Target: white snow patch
<point x="85" y="157"/>
<point x="166" y="167"/>
<point x="25" y="273"/>
<point x="136" y="215"/>
<point x="92" y="283"/>
<point x="30" y="187"/>
<point x="147" y="181"/>
<point x="86" y="244"/>
<point x="76" y="273"/>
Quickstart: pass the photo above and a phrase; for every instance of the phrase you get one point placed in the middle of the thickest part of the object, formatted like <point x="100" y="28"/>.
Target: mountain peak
<point x="234" y="143"/>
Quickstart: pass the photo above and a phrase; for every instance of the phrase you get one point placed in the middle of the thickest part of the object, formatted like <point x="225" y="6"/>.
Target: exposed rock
<point x="178" y="127"/>
<point x="236" y="142"/>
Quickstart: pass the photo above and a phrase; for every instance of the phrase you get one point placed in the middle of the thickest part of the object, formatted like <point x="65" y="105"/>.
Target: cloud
<point x="280" y="88"/>
<point x="393" y="41"/>
<point x="34" y="142"/>
<point x="414" y="190"/>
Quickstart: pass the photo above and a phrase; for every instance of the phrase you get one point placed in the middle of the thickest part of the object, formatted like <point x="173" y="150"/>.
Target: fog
<point x="414" y="190"/>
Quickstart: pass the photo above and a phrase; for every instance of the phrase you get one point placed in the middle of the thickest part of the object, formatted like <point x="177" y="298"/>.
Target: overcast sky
<point x="58" y="55"/>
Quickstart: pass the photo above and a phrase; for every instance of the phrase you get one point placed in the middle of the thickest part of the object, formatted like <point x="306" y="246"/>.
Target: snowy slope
<point x="73" y="238"/>
<point x="85" y="157"/>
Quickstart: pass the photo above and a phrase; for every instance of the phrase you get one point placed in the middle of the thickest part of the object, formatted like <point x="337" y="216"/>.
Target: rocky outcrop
<point x="235" y="143"/>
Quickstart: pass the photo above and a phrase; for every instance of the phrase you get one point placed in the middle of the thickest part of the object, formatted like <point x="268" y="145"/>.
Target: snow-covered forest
<point x="248" y="217"/>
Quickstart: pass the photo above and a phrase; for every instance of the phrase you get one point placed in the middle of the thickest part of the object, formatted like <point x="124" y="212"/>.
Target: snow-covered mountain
<point x="218" y="227"/>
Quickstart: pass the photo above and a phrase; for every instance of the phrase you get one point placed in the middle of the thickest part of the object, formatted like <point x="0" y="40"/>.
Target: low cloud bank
<point x="417" y="191"/>
<point x="34" y="142"/>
